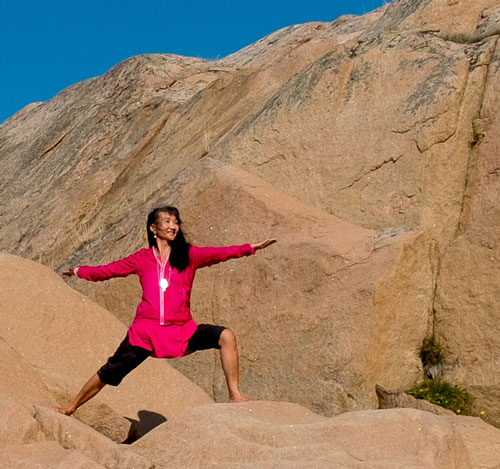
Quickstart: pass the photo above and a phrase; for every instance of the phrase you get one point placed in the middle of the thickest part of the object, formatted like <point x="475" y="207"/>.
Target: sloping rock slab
<point x="53" y="339"/>
<point x="37" y="436"/>
<point x="45" y="455"/>
<point x="272" y="434"/>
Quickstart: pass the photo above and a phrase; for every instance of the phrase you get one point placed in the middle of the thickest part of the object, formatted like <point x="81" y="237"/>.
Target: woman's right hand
<point x="264" y="244"/>
<point x="70" y="272"/>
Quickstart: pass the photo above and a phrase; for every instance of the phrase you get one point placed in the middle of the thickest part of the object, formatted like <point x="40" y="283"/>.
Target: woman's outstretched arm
<point x="120" y="268"/>
<point x="206" y="256"/>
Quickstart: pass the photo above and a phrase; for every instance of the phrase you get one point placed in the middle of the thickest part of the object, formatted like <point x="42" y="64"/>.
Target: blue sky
<point x="47" y="45"/>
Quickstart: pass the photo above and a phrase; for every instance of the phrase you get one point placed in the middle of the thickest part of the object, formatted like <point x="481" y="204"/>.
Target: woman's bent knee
<point x="227" y="338"/>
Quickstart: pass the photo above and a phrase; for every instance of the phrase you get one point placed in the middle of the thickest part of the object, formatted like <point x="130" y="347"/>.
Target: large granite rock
<point x="36" y="436"/>
<point x="255" y="434"/>
<point x="368" y="146"/>
<point x="272" y="434"/>
<point x="54" y="339"/>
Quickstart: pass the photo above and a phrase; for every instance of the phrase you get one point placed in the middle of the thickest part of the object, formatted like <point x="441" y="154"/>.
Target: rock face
<point x="268" y="436"/>
<point x="36" y="436"/>
<point x="54" y="339"/>
<point x="47" y="328"/>
<point x="257" y="434"/>
<point x="368" y="146"/>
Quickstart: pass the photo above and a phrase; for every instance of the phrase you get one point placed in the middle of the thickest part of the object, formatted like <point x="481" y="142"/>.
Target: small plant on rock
<point x="444" y="394"/>
<point x="476" y="139"/>
<point x="432" y="357"/>
<point x="433" y="388"/>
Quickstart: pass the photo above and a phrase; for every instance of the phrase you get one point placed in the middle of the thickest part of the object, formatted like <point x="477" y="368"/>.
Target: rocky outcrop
<point x="42" y="437"/>
<point x="268" y="436"/>
<point x="263" y="434"/>
<point x="54" y="339"/>
<point x="367" y="146"/>
<point x="399" y="400"/>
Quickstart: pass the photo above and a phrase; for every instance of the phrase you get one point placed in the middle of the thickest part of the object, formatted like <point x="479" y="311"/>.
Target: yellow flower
<point x="458" y="411"/>
<point x="482" y="412"/>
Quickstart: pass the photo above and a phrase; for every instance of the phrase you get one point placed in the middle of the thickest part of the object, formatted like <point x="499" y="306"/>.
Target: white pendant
<point x="163" y="284"/>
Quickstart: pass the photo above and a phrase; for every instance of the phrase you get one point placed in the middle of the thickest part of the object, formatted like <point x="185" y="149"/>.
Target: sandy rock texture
<point x="54" y="339"/>
<point x="368" y="146"/>
<point x="37" y="436"/>
<point x="272" y="434"/>
<point x="256" y="434"/>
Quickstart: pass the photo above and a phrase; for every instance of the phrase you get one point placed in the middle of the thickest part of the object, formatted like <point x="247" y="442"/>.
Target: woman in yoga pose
<point x="163" y="326"/>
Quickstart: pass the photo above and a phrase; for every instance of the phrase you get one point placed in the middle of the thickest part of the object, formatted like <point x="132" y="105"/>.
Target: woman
<point x="163" y="326"/>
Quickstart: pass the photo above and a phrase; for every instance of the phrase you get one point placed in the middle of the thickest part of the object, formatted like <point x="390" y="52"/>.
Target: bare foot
<point x="64" y="410"/>
<point x="236" y="398"/>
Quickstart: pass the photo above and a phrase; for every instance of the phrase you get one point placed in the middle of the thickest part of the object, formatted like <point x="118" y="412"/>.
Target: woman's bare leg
<point x="89" y="390"/>
<point x="230" y="365"/>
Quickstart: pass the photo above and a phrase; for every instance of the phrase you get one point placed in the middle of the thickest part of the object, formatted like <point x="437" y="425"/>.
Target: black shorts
<point x="128" y="356"/>
<point x="205" y="337"/>
<point x="124" y="360"/>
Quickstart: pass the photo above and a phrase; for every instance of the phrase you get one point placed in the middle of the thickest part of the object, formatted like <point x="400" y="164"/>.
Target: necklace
<point x="160" y="269"/>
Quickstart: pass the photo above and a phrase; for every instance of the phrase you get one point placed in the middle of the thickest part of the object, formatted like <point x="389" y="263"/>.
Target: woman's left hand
<point x="264" y="244"/>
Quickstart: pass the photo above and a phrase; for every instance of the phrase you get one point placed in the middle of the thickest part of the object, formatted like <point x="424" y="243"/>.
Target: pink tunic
<point x="163" y="321"/>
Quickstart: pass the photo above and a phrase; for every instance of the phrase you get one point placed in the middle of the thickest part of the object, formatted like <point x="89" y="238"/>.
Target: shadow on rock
<point x="147" y="421"/>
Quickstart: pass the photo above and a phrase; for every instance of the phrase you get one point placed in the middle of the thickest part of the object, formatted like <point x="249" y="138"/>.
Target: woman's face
<point x="166" y="226"/>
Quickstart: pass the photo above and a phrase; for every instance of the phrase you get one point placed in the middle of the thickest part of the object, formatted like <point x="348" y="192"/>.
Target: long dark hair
<point x="179" y="254"/>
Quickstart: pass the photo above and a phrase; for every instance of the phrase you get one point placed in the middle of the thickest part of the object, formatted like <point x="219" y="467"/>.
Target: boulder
<point x="17" y="424"/>
<point x="54" y="339"/>
<point x="37" y="436"/>
<point x="271" y="434"/>
<point x="45" y="455"/>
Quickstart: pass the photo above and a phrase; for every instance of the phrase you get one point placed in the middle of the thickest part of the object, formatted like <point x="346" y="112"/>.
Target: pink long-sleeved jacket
<point x="163" y="321"/>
